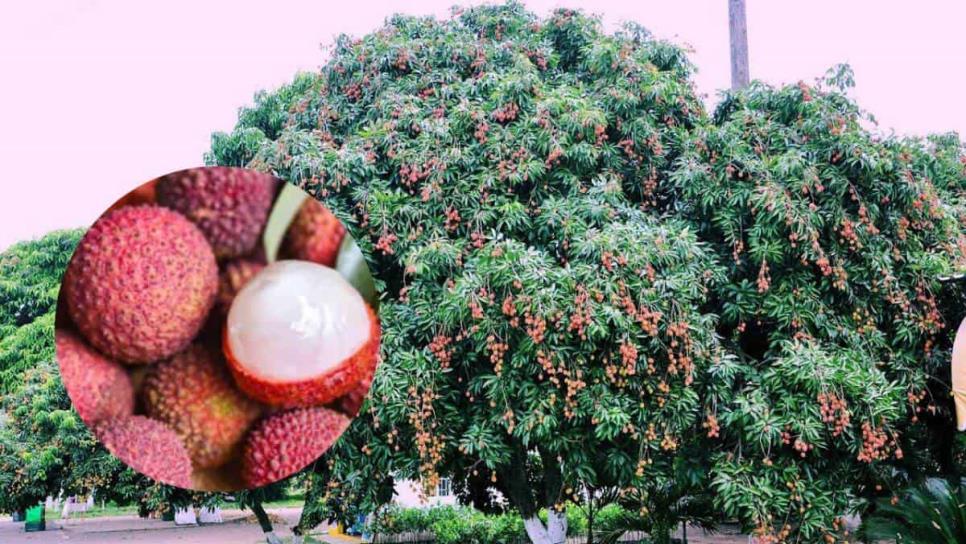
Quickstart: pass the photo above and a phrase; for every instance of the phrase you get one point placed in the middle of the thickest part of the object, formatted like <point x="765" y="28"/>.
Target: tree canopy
<point x="587" y="281"/>
<point x="45" y="448"/>
<point x="542" y="330"/>
<point x="586" y="276"/>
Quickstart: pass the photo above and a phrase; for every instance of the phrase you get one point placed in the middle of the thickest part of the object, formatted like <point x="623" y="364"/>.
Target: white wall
<point x="407" y="496"/>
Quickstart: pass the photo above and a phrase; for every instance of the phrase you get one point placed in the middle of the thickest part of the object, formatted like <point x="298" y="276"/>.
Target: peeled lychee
<point x="230" y="205"/>
<point x="351" y="402"/>
<point x="98" y="387"/>
<point x="234" y="275"/>
<point x="148" y="446"/>
<point x="314" y="235"/>
<point x="284" y="443"/>
<point x="141" y="283"/>
<point x="298" y="334"/>
<point x="194" y="394"/>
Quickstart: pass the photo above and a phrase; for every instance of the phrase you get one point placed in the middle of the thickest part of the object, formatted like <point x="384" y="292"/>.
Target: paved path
<point x="239" y="527"/>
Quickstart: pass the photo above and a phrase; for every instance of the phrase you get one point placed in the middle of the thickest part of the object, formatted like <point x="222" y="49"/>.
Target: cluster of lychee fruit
<point x="195" y="360"/>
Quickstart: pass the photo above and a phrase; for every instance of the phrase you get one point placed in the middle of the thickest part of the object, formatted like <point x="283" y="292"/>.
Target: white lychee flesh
<point x="296" y="320"/>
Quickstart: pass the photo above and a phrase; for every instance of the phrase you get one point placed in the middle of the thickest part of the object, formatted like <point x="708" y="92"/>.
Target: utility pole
<point x="737" y="24"/>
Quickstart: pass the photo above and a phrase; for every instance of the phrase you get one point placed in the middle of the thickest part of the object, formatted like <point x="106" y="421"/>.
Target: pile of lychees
<point x="193" y="358"/>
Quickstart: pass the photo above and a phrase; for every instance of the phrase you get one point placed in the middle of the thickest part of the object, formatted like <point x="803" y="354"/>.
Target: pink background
<point x="99" y="96"/>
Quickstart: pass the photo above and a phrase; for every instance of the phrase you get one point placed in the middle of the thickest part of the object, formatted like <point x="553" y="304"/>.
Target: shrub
<point x="449" y="524"/>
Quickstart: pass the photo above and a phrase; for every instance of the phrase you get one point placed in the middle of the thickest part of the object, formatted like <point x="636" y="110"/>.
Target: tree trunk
<point x="514" y="484"/>
<point x="557" y="526"/>
<point x="516" y="488"/>
<point x="536" y="530"/>
<point x="554" y="532"/>
<point x="265" y="523"/>
<point x="68" y="502"/>
<point x="553" y="486"/>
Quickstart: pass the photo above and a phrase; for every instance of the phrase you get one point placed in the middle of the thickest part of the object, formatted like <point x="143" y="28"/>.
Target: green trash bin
<point x="36" y="519"/>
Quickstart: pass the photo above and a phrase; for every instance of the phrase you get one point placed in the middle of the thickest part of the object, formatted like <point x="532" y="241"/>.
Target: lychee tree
<point x="836" y="241"/>
<point x="588" y="283"/>
<point x="542" y="331"/>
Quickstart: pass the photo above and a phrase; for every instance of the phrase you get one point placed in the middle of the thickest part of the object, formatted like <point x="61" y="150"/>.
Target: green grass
<point x="291" y="502"/>
<point x="111" y="509"/>
<point x="95" y="512"/>
<point x="287" y="539"/>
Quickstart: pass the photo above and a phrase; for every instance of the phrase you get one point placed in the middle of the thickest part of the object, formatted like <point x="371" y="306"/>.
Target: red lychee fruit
<point x="144" y="194"/>
<point x="194" y="394"/>
<point x="298" y="334"/>
<point x="234" y="275"/>
<point x="314" y="235"/>
<point x="98" y="387"/>
<point x="285" y="443"/>
<point x="351" y="402"/>
<point x="141" y="283"/>
<point x="148" y="446"/>
<point x="229" y="205"/>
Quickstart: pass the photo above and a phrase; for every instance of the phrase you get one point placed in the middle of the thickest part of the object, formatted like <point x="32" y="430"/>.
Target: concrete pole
<point x="737" y="24"/>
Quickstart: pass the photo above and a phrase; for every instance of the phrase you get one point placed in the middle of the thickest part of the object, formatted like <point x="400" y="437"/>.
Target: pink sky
<point x="99" y="96"/>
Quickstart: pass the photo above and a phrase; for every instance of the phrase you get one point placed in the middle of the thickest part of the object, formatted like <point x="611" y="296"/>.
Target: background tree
<point x="45" y="448"/>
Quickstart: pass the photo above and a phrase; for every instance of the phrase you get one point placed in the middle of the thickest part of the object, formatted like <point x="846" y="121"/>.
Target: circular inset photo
<point x="217" y="329"/>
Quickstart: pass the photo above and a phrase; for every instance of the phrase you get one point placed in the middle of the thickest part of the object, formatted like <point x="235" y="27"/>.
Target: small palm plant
<point x="676" y="503"/>
<point x="933" y="512"/>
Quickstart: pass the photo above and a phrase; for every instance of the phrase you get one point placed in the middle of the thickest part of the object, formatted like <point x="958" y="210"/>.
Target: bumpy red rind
<point x="321" y="389"/>
<point x="141" y="283"/>
<point x="99" y="388"/>
<point x="149" y="447"/>
<point x="234" y="275"/>
<point x="229" y="205"/>
<point x="194" y="394"/>
<point x="284" y="443"/>
<point x="350" y="403"/>
<point x="314" y="235"/>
